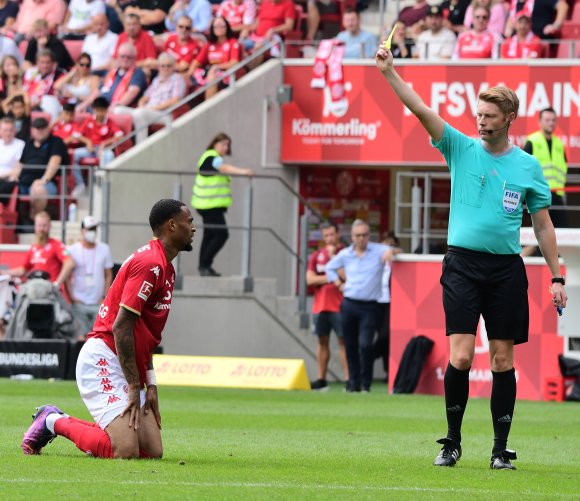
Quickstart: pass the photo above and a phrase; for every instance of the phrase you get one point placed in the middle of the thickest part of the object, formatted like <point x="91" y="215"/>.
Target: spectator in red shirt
<point x="65" y="127"/>
<point x="241" y="14"/>
<point x="524" y="44"/>
<point x="477" y="43"/>
<point x="45" y="254"/>
<point x="326" y="306"/>
<point x="144" y="45"/>
<point x="96" y="133"/>
<point x="182" y="46"/>
<point x="275" y="19"/>
<point x="221" y="53"/>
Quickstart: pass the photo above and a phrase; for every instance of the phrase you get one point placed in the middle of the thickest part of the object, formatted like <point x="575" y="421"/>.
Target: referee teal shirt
<point x="488" y="192"/>
<point x="363" y="273"/>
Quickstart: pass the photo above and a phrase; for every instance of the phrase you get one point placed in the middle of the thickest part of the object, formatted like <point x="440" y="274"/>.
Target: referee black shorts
<point x="494" y="286"/>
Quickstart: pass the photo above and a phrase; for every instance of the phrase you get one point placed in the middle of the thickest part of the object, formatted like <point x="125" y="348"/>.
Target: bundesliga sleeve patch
<point x="145" y="290"/>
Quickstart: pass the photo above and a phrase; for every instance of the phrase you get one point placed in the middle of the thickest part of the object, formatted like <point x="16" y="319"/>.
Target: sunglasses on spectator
<point x="181" y="27"/>
<point x="84" y="65"/>
<point x="481" y="17"/>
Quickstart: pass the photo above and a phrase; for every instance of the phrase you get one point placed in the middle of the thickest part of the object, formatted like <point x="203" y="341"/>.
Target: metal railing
<point x="299" y="254"/>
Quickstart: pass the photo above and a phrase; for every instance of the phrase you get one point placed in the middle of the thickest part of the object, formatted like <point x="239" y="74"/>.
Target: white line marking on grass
<point x="282" y="485"/>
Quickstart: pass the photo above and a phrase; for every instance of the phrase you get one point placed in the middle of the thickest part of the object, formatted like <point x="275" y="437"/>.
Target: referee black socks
<point x="456" y="383"/>
<point x="502" y="403"/>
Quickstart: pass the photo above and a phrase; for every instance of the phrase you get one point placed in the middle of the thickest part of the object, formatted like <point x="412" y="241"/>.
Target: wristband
<point x="559" y="280"/>
<point x="150" y="378"/>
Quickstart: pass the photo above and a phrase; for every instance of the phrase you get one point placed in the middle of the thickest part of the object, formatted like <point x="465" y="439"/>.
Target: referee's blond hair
<point x="503" y="97"/>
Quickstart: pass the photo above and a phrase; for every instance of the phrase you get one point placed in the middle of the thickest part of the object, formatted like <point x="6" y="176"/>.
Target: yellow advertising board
<point x="231" y="372"/>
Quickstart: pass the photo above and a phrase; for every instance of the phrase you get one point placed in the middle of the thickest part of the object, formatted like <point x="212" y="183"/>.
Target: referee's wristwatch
<point x="558" y="280"/>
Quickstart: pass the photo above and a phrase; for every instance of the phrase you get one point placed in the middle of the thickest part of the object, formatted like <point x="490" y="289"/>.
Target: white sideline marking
<point x="281" y="485"/>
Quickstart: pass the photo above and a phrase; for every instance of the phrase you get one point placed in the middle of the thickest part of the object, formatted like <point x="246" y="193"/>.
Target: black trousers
<point x="215" y="235"/>
<point x="381" y="346"/>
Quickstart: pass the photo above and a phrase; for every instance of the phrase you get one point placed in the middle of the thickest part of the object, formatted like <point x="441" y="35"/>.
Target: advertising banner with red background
<point x="370" y="125"/>
<point x="417" y="309"/>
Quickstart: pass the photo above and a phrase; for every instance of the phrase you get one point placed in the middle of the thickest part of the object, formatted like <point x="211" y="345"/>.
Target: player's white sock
<point x="51" y="419"/>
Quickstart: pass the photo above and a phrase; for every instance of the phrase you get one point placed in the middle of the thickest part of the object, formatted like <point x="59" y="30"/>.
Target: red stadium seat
<point x="571" y="31"/>
<point x="125" y="123"/>
<point x="293" y="50"/>
<point x="74" y="47"/>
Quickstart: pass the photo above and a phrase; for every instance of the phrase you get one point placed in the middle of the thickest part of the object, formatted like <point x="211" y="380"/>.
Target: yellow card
<point x="387" y="42"/>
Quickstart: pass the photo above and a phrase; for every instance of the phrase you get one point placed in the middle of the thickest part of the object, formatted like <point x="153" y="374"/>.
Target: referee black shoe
<point x="501" y="460"/>
<point x="450" y="453"/>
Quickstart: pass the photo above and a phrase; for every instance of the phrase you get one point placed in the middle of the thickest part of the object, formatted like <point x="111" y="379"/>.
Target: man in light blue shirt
<point x="483" y="273"/>
<point x="363" y="263"/>
<point x="199" y="11"/>
<point x="359" y="44"/>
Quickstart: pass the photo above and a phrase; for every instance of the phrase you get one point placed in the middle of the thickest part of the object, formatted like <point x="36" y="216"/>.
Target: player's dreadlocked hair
<point x="162" y="211"/>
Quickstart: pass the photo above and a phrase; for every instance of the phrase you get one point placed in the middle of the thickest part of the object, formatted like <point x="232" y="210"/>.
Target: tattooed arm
<point x="125" y="344"/>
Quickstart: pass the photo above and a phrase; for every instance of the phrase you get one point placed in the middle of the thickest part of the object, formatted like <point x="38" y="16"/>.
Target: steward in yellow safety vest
<point x="210" y="191"/>
<point x="211" y="197"/>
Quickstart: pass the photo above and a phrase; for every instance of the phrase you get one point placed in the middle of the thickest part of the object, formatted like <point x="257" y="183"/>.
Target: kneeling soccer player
<point x="115" y="364"/>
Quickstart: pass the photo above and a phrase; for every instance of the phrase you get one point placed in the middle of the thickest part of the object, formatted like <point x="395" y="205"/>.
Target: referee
<point x="483" y="273"/>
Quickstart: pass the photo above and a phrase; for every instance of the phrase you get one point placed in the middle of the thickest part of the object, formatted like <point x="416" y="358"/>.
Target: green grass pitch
<point x="250" y="444"/>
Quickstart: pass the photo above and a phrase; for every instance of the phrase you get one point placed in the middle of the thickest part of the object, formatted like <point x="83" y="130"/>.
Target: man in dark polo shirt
<point x="41" y="150"/>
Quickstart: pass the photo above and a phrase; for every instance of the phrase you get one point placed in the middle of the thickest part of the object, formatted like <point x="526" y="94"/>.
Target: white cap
<point x="90" y="222"/>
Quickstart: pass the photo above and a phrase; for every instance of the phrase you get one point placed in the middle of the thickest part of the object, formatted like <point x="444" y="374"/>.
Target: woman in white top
<point x="78" y="84"/>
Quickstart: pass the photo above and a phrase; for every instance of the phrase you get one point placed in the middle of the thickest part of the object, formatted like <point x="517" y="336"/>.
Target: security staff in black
<point x="483" y="274"/>
<point x="211" y="198"/>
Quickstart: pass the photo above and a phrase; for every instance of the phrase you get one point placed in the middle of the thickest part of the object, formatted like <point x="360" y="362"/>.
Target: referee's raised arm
<point x="432" y="122"/>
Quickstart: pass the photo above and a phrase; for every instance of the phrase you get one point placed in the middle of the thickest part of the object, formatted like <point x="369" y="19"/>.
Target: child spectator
<point x="96" y="133"/>
<point x="20" y="112"/>
<point x="182" y="46"/>
<point x="221" y="53"/>
<point x="65" y="127"/>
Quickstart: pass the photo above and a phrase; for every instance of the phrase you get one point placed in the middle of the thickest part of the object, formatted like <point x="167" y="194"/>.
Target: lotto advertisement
<point x="368" y="125"/>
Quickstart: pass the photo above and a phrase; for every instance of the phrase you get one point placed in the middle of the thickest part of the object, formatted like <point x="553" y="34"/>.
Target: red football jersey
<point x="144" y="285"/>
<point x="472" y="45"/>
<point x="98" y="133"/>
<point x="65" y="130"/>
<point x="48" y="258"/>
<point x="531" y="48"/>
<point x="216" y="53"/>
<point x="182" y="52"/>
<point x="327" y="297"/>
